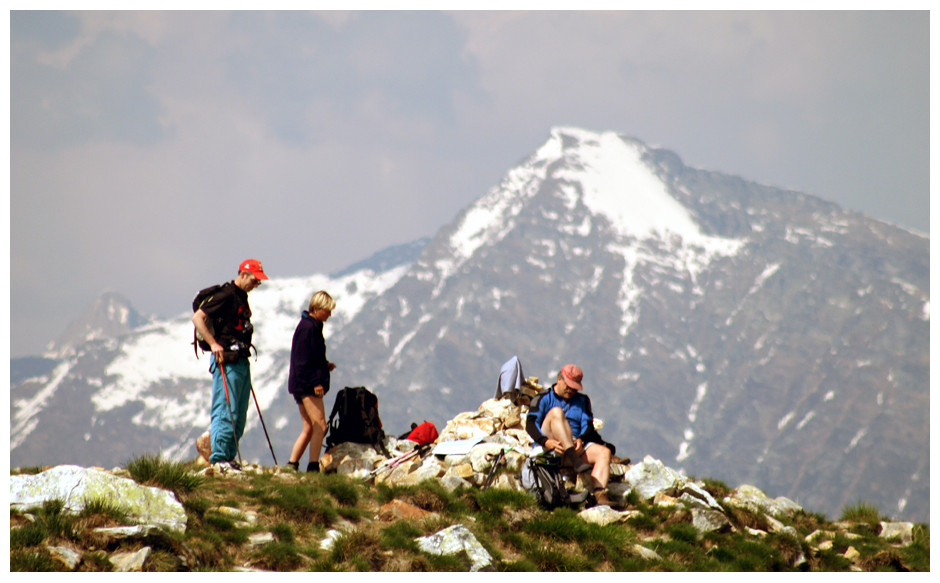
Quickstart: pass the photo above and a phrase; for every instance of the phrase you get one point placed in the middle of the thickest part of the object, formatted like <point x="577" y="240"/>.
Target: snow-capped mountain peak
<point x="754" y="334"/>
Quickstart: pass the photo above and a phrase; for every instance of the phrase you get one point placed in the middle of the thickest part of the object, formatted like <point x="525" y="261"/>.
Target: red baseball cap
<point x="572" y="375"/>
<point x="253" y="266"/>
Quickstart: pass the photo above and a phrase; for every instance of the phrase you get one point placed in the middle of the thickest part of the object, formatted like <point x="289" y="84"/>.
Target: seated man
<point x="561" y="419"/>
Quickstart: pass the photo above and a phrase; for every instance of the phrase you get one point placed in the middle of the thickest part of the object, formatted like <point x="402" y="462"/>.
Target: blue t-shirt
<point x="577" y="410"/>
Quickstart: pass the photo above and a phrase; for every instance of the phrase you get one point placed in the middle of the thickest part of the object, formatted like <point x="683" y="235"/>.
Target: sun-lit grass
<point x="299" y="510"/>
<point x="153" y="469"/>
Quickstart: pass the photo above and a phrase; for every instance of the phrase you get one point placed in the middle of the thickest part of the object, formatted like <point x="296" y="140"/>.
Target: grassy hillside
<point x="275" y="520"/>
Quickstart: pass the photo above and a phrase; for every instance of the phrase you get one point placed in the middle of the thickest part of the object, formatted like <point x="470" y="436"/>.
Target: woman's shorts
<point x="299" y="397"/>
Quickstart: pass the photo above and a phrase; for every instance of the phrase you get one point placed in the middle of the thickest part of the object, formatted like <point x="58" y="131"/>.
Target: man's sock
<point x="576" y="462"/>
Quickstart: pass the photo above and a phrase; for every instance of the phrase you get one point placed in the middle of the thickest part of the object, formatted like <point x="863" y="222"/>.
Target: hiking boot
<point x="313" y="467"/>
<point x="602" y="499"/>
<point x="226" y="467"/>
<point x="576" y="462"/>
<point x="294" y="466"/>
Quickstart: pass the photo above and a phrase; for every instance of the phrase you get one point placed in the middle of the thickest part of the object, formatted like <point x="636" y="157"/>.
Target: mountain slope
<point x="748" y="333"/>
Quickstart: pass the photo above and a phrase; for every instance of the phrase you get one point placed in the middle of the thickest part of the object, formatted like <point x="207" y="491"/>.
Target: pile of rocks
<point x="464" y="452"/>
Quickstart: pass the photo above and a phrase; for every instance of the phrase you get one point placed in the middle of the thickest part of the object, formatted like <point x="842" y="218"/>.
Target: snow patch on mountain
<point x="24" y="419"/>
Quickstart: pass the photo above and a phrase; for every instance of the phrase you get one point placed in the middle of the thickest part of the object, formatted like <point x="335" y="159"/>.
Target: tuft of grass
<point x="100" y="507"/>
<point x="428" y="495"/>
<point x="716" y="488"/>
<point x="344" y="491"/>
<point x="52" y="523"/>
<point x="358" y="551"/>
<point x="495" y="501"/>
<point x="862" y="512"/>
<point x="277" y="556"/>
<point x="683" y="531"/>
<point x="283" y="532"/>
<point x="298" y="502"/>
<point x="96" y="561"/>
<point x="33" y="561"/>
<point x="28" y="535"/>
<point x="401" y="534"/>
<point x="153" y="469"/>
<point x="916" y="556"/>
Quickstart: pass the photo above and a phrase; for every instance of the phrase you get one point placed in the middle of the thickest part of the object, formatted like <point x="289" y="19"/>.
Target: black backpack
<point x="541" y="477"/>
<point x="216" y="326"/>
<point x="201" y="297"/>
<point x="355" y="418"/>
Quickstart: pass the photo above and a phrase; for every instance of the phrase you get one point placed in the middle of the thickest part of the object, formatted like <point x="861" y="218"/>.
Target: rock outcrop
<point x="76" y="487"/>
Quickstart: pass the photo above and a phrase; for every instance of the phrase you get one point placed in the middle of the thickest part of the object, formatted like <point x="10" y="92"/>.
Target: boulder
<point x="647" y="478"/>
<point x="65" y="555"/>
<point x="696" y="494"/>
<point x="75" y="486"/>
<point x="259" y="539"/>
<point x="753" y="499"/>
<point x="397" y="509"/>
<point x="453" y="540"/>
<point x="128" y="561"/>
<point x="706" y="520"/>
<point x="604" y="515"/>
<point x="645" y="553"/>
<point x="903" y="531"/>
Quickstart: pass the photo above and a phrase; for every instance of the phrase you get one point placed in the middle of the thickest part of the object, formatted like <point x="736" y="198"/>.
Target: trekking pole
<point x="271" y="447"/>
<point x="397" y="461"/>
<point x="394" y="462"/>
<point x="492" y="472"/>
<point x="229" y="407"/>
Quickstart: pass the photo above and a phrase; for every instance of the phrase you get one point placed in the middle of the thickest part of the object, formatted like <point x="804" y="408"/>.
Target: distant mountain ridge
<point x="749" y="333"/>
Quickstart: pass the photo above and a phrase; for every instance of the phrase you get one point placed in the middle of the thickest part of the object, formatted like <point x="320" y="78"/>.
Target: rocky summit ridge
<point x="476" y="437"/>
<point x="732" y="329"/>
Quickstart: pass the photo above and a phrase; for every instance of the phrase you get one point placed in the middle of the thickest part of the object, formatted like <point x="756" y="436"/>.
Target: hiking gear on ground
<point x="407" y="433"/>
<point x="397" y="461"/>
<point x="253" y="266"/>
<point x="492" y="473"/>
<point x="294" y="466"/>
<point x="424" y="433"/>
<point x="510" y="377"/>
<point x="541" y="477"/>
<point x="358" y="420"/>
<point x="313" y="467"/>
<point x="576" y="461"/>
<point x="229" y="320"/>
<point x="228" y="414"/>
<point x="258" y="407"/>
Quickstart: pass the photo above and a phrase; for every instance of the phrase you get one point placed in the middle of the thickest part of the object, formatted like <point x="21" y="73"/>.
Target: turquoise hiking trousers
<point x="224" y="435"/>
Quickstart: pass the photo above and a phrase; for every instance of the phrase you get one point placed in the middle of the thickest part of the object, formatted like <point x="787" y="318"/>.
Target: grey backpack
<point x="541" y="477"/>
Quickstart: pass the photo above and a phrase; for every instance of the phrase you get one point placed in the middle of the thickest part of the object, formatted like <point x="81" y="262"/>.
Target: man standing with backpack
<point x="223" y="324"/>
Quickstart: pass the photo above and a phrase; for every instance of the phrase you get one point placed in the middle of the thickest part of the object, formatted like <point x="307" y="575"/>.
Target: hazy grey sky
<point x="153" y="151"/>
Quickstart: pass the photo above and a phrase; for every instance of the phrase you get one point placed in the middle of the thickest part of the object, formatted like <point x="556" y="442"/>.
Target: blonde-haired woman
<point x="309" y="378"/>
